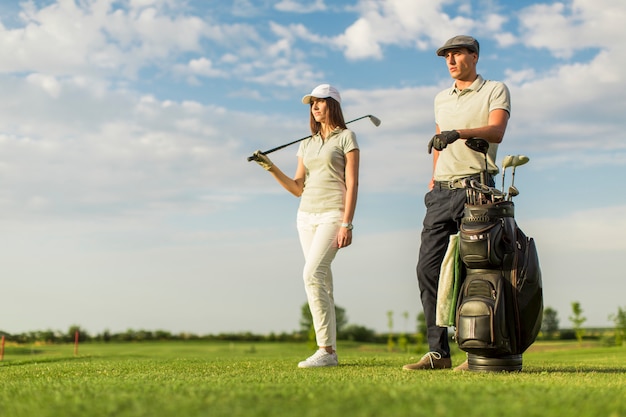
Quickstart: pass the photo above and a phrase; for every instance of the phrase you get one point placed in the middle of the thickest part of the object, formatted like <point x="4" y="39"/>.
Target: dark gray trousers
<point x="444" y="210"/>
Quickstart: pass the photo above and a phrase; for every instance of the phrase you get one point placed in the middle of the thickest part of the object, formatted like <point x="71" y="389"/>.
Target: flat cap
<point x="460" y="41"/>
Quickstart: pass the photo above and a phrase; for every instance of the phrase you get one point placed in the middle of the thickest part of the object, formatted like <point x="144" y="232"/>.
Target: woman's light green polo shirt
<point x="325" y="164"/>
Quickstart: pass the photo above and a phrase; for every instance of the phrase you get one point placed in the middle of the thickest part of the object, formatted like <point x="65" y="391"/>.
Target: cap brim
<point x="442" y="51"/>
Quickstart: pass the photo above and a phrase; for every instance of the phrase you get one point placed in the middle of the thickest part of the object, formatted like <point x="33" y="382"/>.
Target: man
<point x="472" y="107"/>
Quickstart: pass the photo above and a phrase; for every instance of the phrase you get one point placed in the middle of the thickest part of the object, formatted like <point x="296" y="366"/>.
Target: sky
<point x="127" y="202"/>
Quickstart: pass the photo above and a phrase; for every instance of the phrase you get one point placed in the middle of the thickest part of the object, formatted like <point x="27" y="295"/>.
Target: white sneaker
<point x="319" y="359"/>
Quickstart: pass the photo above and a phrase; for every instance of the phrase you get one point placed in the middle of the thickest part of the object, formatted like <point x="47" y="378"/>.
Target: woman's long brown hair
<point x="334" y="116"/>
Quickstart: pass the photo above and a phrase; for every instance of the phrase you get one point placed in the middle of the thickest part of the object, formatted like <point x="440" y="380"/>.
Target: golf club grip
<point x="251" y="158"/>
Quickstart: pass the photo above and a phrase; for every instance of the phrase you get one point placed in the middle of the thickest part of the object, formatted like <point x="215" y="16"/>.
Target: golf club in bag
<point x="500" y="303"/>
<point x="375" y="120"/>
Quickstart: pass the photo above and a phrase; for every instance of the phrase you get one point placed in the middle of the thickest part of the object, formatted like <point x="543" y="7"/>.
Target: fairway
<point x="196" y="378"/>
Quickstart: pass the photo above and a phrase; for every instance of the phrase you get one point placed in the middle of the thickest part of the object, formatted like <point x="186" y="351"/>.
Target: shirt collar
<point x="476" y="86"/>
<point x="332" y="133"/>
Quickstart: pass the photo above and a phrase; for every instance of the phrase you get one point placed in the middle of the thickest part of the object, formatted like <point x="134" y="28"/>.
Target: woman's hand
<point x="344" y="237"/>
<point x="262" y="160"/>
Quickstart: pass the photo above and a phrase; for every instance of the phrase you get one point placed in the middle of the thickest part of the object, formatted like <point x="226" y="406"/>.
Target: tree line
<point x="550" y="326"/>
<point x="395" y="340"/>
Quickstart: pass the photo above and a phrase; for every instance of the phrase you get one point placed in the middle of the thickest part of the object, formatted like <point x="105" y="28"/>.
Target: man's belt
<point x="455" y="184"/>
<point x="449" y="185"/>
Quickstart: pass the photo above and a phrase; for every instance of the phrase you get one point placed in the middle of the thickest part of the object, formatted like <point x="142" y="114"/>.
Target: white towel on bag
<point x="448" y="284"/>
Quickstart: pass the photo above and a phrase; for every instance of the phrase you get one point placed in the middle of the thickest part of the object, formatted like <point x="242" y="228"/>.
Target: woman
<point x="326" y="179"/>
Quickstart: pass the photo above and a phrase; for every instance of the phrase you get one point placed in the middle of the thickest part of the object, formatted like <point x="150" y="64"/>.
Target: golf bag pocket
<point x="482" y="245"/>
<point x="480" y="318"/>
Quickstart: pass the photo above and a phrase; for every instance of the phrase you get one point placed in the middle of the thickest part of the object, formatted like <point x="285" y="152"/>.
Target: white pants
<point x="318" y="237"/>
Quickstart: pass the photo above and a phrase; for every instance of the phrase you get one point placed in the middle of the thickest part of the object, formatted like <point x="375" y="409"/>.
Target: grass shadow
<point x="36" y="361"/>
<point x="576" y="370"/>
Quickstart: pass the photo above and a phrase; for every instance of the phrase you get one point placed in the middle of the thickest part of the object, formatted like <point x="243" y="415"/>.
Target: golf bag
<point x="500" y="303"/>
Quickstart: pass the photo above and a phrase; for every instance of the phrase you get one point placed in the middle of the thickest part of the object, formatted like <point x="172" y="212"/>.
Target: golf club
<point x="484" y="191"/>
<point x="469" y="191"/>
<point x="483" y="188"/>
<point x="375" y="120"/>
<point x="482" y="146"/>
<point x="513" y="191"/>
<point x="517" y="161"/>
<point x="506" y="162"/>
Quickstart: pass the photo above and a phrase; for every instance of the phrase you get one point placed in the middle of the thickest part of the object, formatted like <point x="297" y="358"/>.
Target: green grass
<point x="187" y="379"/>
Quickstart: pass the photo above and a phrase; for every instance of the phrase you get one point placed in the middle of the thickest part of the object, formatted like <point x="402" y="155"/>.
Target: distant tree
<point x="341" y="317"/>
<point x="358" y="333"/>
<point x="421" y="323"/>
<point x="311" y="338"/>
<point x="403" y="341"/>
<point x="306" y="321"/>
<point x="127" y="336"/>
<point x="420" y="336"/>
<point x="620" y="325"/>
<point x="82" y="334"/>
<point x="390" y="342"/>
<point x="577" y="320"/>
<point x="46" y="336"/>
<point x="550" y="322"/>
<point x="106" y="336"/>
<point x="162" y="335"/>
<point x="143" y="335"/>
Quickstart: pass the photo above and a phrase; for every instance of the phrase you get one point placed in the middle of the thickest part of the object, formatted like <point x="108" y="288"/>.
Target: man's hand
<point x="262" y="160"/>
<point x="443" y="139"/>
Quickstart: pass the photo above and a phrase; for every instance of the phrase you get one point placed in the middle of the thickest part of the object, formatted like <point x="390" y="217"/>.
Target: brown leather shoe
<point x="462" y="367"/>
<point x="431" y="360"/>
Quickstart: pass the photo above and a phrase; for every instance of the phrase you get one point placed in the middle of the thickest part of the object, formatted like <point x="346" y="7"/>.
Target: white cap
<point x="322" y="91"/>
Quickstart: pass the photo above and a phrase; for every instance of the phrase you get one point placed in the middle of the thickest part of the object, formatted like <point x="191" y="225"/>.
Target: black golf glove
<point x="443" y="139"/>
<point x="262" y="160"/>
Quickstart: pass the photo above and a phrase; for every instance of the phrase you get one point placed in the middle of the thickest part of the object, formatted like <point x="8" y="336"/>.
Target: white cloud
<point x="93" y="37"/>
<point x="567" y="105"/>
<point x="494" y="22"/>
<point x="244" y="8"/>
<point x="419" y="23"/>
<point x="570" y="232"/>
<point x="131" y="153"/>
<point x="521" y="76"/>
<point x="580" y="255"/>
<point x="48" y="83"/>
<point x="295" y="6"/>
<point x="505" y="39"/>
<point x="358" y="41"/>
<point x="204" y="67"/>
<point x="567" y="27"/>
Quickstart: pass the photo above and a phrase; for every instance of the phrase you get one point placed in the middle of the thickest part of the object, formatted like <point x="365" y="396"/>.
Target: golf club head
<point x="476" y="185"/>
<point x="507" y="161"/>
<point x="477" y="144"/>
<point x="374" y="120"/>
<point x="513" y="191"/>
<point x="519" y="160"/>
<point x="497" y="193"/>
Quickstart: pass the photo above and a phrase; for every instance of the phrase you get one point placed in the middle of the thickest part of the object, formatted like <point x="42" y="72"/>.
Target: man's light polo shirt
<point x="466" y="109"/>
